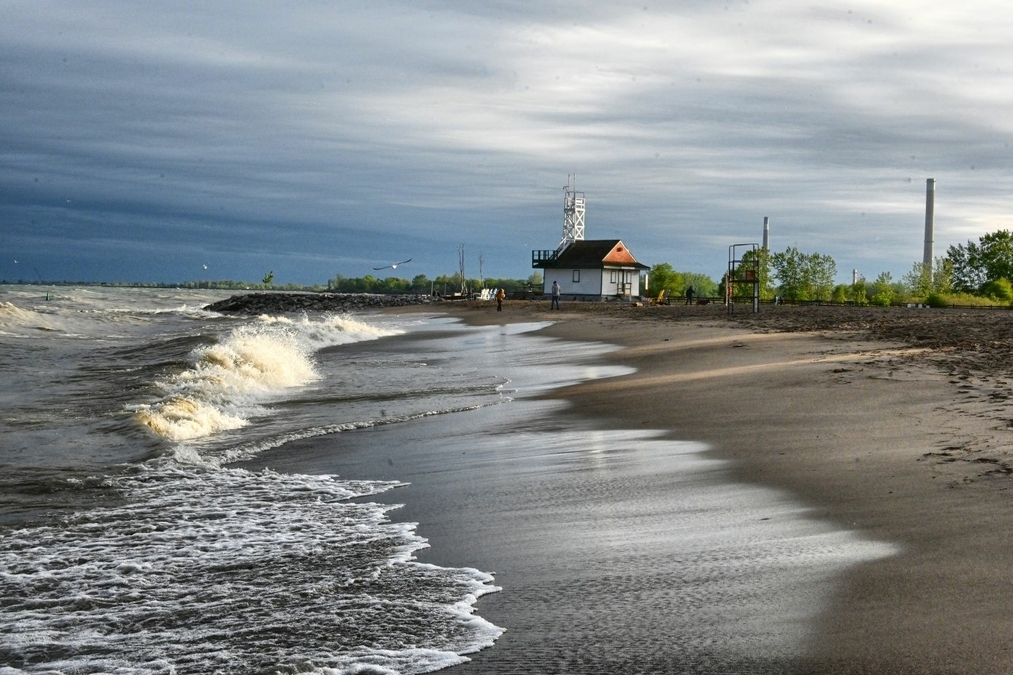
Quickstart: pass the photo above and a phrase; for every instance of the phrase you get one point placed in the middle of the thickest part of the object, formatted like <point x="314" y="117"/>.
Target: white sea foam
<point x="230" y="382"/>
<point x="331" y="330"/>
<point x="224" y="570"/>
<point x="226" y="384"/>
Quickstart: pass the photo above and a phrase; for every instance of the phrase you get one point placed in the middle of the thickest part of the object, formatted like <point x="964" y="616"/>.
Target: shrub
<point x="963" y="300"/>
<point x="1000" y="289"/>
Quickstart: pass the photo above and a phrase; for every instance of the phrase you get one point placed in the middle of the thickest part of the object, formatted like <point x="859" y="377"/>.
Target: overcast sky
<point x="141" y="141"/>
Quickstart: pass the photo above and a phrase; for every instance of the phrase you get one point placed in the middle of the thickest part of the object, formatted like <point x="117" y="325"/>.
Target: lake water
<point x="156" y="515"/>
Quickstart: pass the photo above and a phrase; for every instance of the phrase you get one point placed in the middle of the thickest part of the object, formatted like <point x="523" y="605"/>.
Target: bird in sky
<point x="393" y="266"/>
<point x="205" y="266"/>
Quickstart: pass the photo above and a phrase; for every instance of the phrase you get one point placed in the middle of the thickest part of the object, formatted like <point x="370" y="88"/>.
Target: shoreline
<point x="889" y="422"/>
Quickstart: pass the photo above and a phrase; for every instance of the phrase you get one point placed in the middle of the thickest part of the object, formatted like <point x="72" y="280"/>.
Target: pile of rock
<point x="279" y="303"/>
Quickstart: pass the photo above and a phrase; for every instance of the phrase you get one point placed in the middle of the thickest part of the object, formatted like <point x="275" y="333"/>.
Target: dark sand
<point x="892" y="423"/>
<point x="895" y="422"/>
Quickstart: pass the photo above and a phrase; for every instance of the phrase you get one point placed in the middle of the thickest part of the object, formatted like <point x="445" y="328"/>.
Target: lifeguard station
<point x="743" y="268"/>
<point x="587" y="269"/>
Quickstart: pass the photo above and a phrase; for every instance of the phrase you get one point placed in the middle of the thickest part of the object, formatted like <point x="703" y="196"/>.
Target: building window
<point x="612" y="276"/>
<point x="576" y="276"/>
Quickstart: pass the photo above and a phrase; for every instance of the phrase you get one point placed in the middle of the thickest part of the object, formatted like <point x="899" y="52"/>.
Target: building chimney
<point x="930" y="207"/>
<point x="766" y="233"/>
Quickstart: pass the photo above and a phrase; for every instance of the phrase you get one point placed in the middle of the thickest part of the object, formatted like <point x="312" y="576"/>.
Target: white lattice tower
<point x="573" y="217"/>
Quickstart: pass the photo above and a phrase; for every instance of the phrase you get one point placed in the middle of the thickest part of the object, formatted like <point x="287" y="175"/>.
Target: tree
<point x="920" y="281"/>
<point x="822" y="270"/>
<point x="268" y="278"/>
<point x="882" y="290"/>
<point x="942" y="276"/>
<point x="445" y="284"/>
<point x="787" y="267"/>
<point x="804" y="276"/>
<point x="704" y="286"/>
<point x="762" y="261"/>
<point x="859" y="292"/>
<point x="974" y="265"/>
<point x="393" y="285"/>
<point x="663" y="277"/>
<point x="967" y="276"/>
<point x="421" y="285"/>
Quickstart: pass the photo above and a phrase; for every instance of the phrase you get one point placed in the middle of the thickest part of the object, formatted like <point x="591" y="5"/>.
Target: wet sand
<point x="892" y="422"/>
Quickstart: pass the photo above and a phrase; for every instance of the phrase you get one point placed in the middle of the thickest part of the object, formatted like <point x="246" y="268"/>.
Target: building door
<point x="625" y="285"/>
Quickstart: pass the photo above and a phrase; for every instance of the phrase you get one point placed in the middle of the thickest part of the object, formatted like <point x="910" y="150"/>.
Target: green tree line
<point x="421" y="284"/>
<point x="976" y="273"/>
<point x="664" y="277"/>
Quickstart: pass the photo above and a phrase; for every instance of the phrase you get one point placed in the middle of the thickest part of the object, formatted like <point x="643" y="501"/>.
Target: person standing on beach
<point x="555" y="296"/>
<point x="689" y="295"/>
<point x="500" y="297"/>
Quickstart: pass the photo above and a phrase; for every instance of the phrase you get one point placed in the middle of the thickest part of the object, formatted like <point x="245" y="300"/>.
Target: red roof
<point x="596" y="254"/>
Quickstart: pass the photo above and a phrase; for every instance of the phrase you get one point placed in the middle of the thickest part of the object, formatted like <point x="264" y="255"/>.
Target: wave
<point x="17" y="318"/>
<point x="228" y="383"/>
<point x="246" y="451"/>
<point x="79" y="321"/>
<point x="234" y="571"/>
<point x="330" y="330"/>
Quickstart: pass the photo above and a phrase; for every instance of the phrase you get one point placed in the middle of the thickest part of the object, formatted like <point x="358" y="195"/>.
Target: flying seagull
<point x="393" y="266"/>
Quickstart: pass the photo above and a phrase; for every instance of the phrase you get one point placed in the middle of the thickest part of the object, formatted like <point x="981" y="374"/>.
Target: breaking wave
<point x="230" y="382"/>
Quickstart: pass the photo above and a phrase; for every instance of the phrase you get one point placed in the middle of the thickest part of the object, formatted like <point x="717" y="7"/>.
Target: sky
<point x="164" y="141"/>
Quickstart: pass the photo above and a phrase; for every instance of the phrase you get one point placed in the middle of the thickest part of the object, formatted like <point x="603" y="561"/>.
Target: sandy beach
<point x="891" y="422"/>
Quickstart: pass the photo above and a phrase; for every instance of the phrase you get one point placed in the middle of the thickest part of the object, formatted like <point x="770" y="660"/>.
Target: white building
<point x="590" y="269"/>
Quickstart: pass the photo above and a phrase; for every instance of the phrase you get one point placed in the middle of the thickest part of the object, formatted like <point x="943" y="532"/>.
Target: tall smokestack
<point x="766" y="233"/>
<point x="930" y="207"/>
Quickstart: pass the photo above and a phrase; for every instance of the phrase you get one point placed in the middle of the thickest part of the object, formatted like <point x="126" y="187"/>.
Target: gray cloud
<point x="316" y="138"/>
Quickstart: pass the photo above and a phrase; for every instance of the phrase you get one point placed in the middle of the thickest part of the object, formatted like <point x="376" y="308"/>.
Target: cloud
<point x="257" y="130"/>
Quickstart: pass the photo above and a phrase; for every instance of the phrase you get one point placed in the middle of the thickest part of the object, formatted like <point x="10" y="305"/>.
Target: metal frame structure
<point x="573" y="214"/>
<point x="743" y="270"/>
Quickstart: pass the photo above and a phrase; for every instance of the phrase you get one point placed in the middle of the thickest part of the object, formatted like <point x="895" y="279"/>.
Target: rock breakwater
<point x="280" y="303"/>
